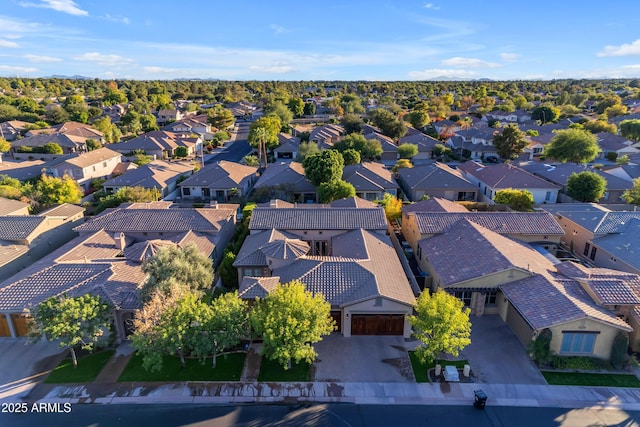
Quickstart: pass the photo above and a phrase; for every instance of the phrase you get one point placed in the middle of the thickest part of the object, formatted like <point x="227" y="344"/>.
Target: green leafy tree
<point x="5" y="145"/>
<point x="388" y="123"/>
<point x="352" y="123"/>
<point x="55" y="191"/>
<point x="540" y="348"/>
<point x="251" y="160"/>
<point x="351" y="157"/>
<point x="519" y="200"/>
<point x="630" y="129"/>
<point x="52" y="148"/>
<point x="418" y="118"/>
<point x="306" y="149"/>
<point x="573" y="145"/>
<point x="407" y="151"/>
<point x="142" y="159"/>
<point x="510" y="143"/>
<point x="329" y="191"/>
<point x="272" y="125"/>
<point x="280" y="110"/>
<point x="93" y="144"/>
<point x="596" y="126"/>
<point x="607" y="101"/>
<point x="545" y="113"/>
<point x="290" y="320"/>
<point x="181" y="152"/>
<point x="56" y="115"/>
<point x="130" y="121"/>
<point x="369" y="149"/>
<point x="296" y="106"/>
<point x="175" y="269"/>
<point x="586" y="186"/>
<point x="114" y="96"/>
<point x="400" y="164"/>
<point x="72" y="321"/>
<point x="110" y="130"/>
<point x="220" y="118"/>
<point x="309" y="108"/>
<point x="324" y="166"/>
<point x="392" y="206"/>
<point x="442" y="325"/>
<point x="148" y="122"/>
<point x="632" y="195"/>
<point x="227" y="271"/>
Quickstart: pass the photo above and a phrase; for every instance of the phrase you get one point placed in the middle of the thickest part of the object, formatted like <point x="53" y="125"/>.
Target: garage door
<point x="20" y="324"/>
<point x="377" y="324"/>
<point x="4" y="326"/>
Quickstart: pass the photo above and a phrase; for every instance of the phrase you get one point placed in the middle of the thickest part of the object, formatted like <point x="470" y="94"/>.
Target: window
<point x="186" y="191"/>
<point x="593" y="253"/>
<point x="378" y="302"/>
<point x="465" y="296"/>
<point x="490" y="298"/>
<point x="578" y="342"/>
<point x="206" y="192"/>
<point x="320" y="248"/>
<point x="255" y="271"/>
<point x="547" y="197"/>
<point x="587" y="246"/>
<point x="104" y="164"/>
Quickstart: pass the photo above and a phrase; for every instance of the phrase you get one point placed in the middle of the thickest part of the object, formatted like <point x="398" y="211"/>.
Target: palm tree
<point x="262" y="134"/>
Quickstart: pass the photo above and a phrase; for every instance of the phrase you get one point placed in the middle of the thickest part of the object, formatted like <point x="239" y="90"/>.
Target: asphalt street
<point x="320" y="415"/>
<point x="236" y="151"/>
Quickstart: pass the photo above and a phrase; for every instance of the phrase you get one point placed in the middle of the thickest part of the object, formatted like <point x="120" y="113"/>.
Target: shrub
<point x="612" y="156"/>
<point x="580" y="363"/>
<point x="619" y="350"/>
<point x="540" y="350"/>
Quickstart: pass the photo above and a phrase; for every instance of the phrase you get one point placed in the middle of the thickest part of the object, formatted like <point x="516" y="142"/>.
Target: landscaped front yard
<point x="421" y="370"/>
<point x="273" y="371"/>
<point x="591" y="379"/>
<point x="229" y="368"/>
<point x="88" y="369"/>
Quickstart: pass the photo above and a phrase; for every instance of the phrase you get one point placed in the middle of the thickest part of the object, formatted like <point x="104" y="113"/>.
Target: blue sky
<point x="331" y="40"/>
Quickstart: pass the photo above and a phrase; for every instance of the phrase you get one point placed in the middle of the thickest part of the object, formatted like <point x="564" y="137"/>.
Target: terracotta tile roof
<point x="257" y="287"/>
<point x="222" y="174"/>
<point x="9" y="206"/>
<point x="434" y="176"/>
<point x="280" y="174"/>
<point x="353" y="202"/>
<point x="97" y="246"/>
<point x="64" y="210"/>
<point x="14" y="228"/>
<point x="530" y="223"/>
<point x="369" y="176"/>
<point x="489" y="252"/>
<point x="250" y="254"/>
<point x="166" y="220"/>
<point x="318" y="219"/>
<point x="545" y="301"/>
<point x="505" y="176"/>
<point x="434" y="204"/>
<point x="155" y="174"/>
<point x="84" y="160"/>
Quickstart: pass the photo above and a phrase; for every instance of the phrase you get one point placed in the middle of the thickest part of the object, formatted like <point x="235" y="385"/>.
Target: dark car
<point x="491" y="159"/>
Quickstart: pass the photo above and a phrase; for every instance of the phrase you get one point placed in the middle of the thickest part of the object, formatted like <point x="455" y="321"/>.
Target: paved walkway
<point x="252" y="363"/>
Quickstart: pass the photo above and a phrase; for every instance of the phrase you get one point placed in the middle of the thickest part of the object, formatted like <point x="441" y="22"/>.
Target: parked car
<point x="491" y="159"/>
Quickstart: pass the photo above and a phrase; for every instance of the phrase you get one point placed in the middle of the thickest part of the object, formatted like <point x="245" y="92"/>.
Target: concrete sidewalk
<point x="360" y="393"/>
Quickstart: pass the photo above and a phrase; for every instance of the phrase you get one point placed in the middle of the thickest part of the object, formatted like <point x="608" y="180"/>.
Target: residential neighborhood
<point x="340" y="221"/>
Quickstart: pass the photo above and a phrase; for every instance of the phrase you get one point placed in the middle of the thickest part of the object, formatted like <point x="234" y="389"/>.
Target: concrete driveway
<point x="496" y="355"/>
<point x="362" y="359"/>
<point x="22" y="365"/>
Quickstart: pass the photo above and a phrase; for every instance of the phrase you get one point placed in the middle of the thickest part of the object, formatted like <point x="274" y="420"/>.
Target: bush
<point x="612" y="156"/>
<point x="580" y="363"/>
<point x="540" y="350"/>
<point x="619" y="350"/>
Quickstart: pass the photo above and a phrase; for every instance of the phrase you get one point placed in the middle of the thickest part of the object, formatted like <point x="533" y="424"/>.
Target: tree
<point x="369" y="149"/>
<point x="400" y="164"/>
<point x="632" y="195"/>
<point x="114" y="96"/>
<point x="296" y="106"/>
<point x="271" y="124"/>
<point x="352" y="123"/>
<point x="56" y="115"/>
<point x="519" y="200"/>
<point x="227" y="271"/>
<point x="388" y="123"/>
<point x="55" y="191"/>
<point x="178" y="269"/>
<point x="5" y="145"/>
<point x="52" y="148"/>
<point x="630" y="129"/>
<point x="407" y="151"/>
<point x="251" y="160"/>
<point x="93" y="144"/>
<point x="351" y="157"/>
<point x="418" y="118"/>
<point x="181" y="152"/>
<point x="586" y="186"/>
<point x="324" y="166"/>
<point x="441" y="323"/>
<point x="309" y="108"/>
<point x="148" y="122"/>
<point x="280" y="110"/>
<point x="329" y="191"/>
<point x="392" y="206"/>
<point x="573" y="145"/>
<point x="220" y="118"/>
<point x="510" y="143"/>
<point x="306" y="149"/>
<point x="72" y="321"/>
<point x="545" y="113"/>
<point x="597" y="126"/>
<point x="290" y="320"/>
<point x="110" y="130"/>
<point x="130" y="121"/>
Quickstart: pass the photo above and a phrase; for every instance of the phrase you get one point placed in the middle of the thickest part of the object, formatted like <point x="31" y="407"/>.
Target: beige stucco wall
<point x="604" y="339"/>
<point x="634" y="336"/>
<point x="369" y="307"/>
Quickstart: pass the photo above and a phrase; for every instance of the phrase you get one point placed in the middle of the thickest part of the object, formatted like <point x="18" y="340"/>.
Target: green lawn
<point x="420" y="370"/>
<point x="589" y="379"/>
<point x="228" y="368"/>
<point x="88" y="369"/>
<point x="273" y="371"/>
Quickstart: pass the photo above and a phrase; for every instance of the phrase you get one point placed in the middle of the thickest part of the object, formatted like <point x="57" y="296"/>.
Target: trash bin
<point x="480" y="399"/>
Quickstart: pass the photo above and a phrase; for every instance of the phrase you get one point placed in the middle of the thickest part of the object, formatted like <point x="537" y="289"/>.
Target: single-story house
<point x="158" y="174"/>
<point x="219" y="181"/>
<point x="371" y="180"/>
<point x="285" y="180"/>
<point x="435" y="180"/>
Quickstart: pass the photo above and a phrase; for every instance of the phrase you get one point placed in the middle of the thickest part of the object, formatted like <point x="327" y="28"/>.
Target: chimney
<point x="120" y="240"/>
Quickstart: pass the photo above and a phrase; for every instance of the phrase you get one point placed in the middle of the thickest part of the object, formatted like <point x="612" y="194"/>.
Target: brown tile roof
<point x="469" y="251"/>
<point x="530" y="223"/>
<point x="156" y="174"/>
<point x="222" y="174"/>
<point x="505" y="176"/>
<point x="250" y="254"/>
<point x="434" y="176"/>
<point x="64" y="210"/>
<point x="434" y="204"/>
<point x="9" y="206"/>
<point x="97" y="246"/>
<point x="14" y="228"/>
<point x="369" y="176"/>
<point x="84" y="160"/>
<point x="610" y="287"/>
<point x="280" y="174"/>
<point x="309" y="218"/>
<point x="257" y="287"/>
<point x="353" y="202"/>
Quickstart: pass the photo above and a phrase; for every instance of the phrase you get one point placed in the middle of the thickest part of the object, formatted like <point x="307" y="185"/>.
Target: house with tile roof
<point x="426" y="144"/>
<point x="560" y="173"/>
<point x="327" y="135"/>
<point x="84" y="167"/>
<point x="620" y="145"/>
<point x="433" y="204"/>
<point x="389" y="147"/>
<point x="219" y="181"/>
<point x="604" y="237"/>
<point x="285" y="180"/>
<point x="13" y="129"/>
<point x="532" y="227"/>
<point x="158" y="174"/>
<point x="371" y="180"/>
<point x="492" y="178"/>
<point x="106" y="258"/>
<point x="13" y="207"/>
<point x="72" y="129"/>
<point x="342" y="253"/>
<point x="161" y="144"/>
<point x="530" y="291"/>
<point x="435" y="180"/>
<point x="26" y="238"/>
<point x="287" y="148"/>
<point x="628" y="172"/>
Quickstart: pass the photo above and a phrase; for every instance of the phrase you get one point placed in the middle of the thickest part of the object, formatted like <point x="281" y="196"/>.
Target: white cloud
<point x="7" y="43"/>
<point x="279" y="29"/>
<point x="161" y="70"/>
<point x="442" y="72"/>
<point x="17" y="69"/>
<point x="273" y="69"/>
<point x="121" y="19"/>
<point x="102" y="59"/>
<point x="460" y="62"/>
<point x="625" y="49"/>
<point x="41" y="58"/>
<point x="509" y="57"/>
<point x="431" y="6"/>
<point x="66" y="6"/>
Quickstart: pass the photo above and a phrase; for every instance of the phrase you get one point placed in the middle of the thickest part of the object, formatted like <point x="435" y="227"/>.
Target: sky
<point x="330" y="40"/>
